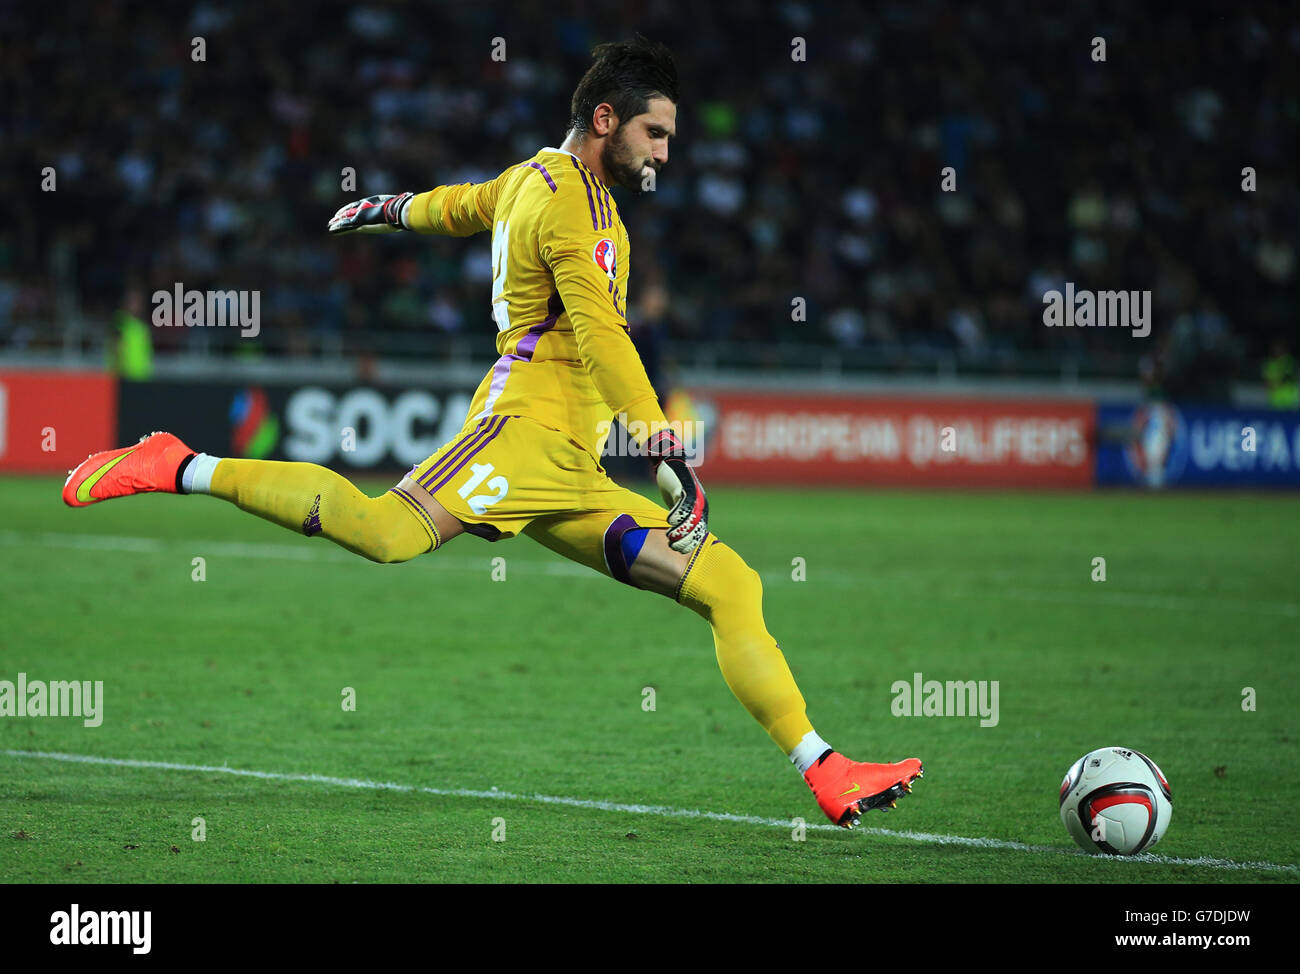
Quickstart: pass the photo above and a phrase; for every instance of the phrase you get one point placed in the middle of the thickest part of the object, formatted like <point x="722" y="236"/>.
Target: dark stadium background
<point x="817" y="179"/>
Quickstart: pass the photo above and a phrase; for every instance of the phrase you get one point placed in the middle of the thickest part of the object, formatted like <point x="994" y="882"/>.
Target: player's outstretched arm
<point x="453" y="211"/>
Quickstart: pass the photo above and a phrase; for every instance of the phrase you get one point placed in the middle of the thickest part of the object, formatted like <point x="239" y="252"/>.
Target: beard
<point x="622" y="165"/>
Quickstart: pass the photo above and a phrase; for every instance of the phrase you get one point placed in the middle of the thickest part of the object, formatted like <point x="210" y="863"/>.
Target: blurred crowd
<point x="817" y="177"/>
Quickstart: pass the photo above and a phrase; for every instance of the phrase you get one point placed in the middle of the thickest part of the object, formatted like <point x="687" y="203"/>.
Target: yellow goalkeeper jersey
<point x="559" y="286"/>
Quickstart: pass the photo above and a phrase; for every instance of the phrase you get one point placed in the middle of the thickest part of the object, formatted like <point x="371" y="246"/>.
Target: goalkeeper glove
<point x="688" y="508"/>
<point x="374" y="214"/>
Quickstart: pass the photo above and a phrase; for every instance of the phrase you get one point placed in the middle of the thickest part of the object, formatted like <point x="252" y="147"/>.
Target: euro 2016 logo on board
<point x="605" y="258"/>
<point x="1156" y="447"/>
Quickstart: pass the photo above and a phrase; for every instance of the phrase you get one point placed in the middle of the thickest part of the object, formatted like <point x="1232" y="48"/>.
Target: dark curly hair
<point x="626" y="74"/>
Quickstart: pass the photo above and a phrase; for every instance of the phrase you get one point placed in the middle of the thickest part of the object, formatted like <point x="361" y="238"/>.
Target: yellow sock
<point x="724" y="590"/>
<point x="312" y="500"/>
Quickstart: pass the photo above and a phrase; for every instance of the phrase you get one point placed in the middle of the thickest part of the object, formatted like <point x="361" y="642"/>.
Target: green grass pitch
<point x="534" y="686"/>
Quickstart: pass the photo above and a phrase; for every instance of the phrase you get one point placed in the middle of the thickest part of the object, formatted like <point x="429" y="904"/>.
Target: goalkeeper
<point x="528" y="457"/>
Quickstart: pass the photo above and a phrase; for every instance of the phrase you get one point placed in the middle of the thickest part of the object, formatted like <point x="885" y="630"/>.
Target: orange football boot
<point x="845" y="789"/>
<point x="150" y="465"/>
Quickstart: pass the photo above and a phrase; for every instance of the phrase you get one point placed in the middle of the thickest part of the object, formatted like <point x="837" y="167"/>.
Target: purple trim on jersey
<point x="603" y="192"/>
<point x="614" y="560"/>
<point x="542" y="169"/>
<point x="528" y="344"/>
<point x="500" y="372"/>
<point x="462" y="449"/>
<point x="600" y="200"/>
<point x="602" y="197"/>
<point x="451" y="455"/>
<point x="609" y="207"/>
<point x="523" y="352"/>
<point x="462" y="444"/>
<point x="590" y="205"/>
<point x="469" y="456"/>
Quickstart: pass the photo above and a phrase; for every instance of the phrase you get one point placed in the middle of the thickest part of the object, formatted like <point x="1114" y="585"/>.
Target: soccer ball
<point x="1115" y="800"/>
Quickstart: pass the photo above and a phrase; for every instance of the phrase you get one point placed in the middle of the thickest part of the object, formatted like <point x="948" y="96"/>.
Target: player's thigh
<point x="429" y="511"/>
<point x="501" y="473"/>
<point x="596" y="539"/>
<point x="658" y="568"/>
<point x="448" y="524"/>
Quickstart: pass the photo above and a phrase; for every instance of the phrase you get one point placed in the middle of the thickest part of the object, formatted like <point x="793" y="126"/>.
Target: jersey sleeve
<point x="456" y="211"/>
<point x="568" y="245"/>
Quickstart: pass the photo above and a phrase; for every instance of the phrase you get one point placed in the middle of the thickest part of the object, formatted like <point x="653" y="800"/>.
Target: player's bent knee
<point x="642" y="558"/>
<point x="388" y="551"/>
<point x="622" y="545"/>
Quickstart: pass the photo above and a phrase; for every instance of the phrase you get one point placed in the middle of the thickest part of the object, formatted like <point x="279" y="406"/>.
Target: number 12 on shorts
<point x="479" y="472"/>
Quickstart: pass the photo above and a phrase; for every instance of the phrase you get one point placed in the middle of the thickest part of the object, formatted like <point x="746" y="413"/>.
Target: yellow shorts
<point x="503" y="475"/>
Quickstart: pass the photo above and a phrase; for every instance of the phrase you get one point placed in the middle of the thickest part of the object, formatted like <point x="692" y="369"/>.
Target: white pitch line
<point x="662" y="811"/>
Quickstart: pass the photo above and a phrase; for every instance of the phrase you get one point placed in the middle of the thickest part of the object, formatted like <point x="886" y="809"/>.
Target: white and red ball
<point x="1114" y="800"/>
